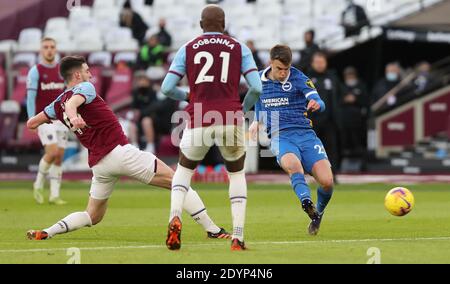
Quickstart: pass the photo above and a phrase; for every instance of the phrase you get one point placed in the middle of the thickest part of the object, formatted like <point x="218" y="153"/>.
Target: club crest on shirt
<point x="287" y="86"/>
<point x="310" y="84"/>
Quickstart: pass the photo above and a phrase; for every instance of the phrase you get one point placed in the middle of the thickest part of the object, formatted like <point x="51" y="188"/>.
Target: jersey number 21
<point x="202" y="77"/>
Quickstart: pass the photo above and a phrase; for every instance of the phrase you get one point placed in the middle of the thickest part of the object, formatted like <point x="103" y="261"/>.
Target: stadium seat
<point x="166" y="148"/>
<point x="156" y="73"/>
<point x="9" y="117"/>
<point x="60" y="36"/>
<point x="20" y="88"/>
<point x="102" y="58"/>
<point x="30" y="40"/>
<point x="118" y="34"/>
<point x="56" y="24"/>
<point x="25" y="140"/>
<point x="27" y="59"/>
<point x="119" y="93"/>
<point x="8" y="45"/>
<point x="3" y="84"/>
<point x="128" y="45"/>
<point x="103" y="4"/>
<point x="128" y="57"/>
<point x="80" y="12"/>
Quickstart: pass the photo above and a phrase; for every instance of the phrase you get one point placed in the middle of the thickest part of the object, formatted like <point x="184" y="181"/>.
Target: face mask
<point x="392" y="76"/>
<point x="351" y="82"/>
<point x="143" y="90"/>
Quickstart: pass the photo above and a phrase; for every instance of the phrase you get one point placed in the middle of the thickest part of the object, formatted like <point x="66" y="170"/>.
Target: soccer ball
<point x="399" y="201"/>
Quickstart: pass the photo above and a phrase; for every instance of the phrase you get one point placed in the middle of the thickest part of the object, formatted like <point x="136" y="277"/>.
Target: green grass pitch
<point x="134" y="228"/>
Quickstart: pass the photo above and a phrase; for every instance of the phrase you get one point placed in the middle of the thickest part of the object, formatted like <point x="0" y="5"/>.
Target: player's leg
<point x="101" y="189"/>
<point x="193" y="204"/>
<point x="55" y="177"/>
<point x="94" y="213"/>
<point x="289" y="158"/>
<point x="149" y="132"/>
<point x="230" y="140"/>
<point x="51" y="151"/>
<point x="324" y="176"/>
<point x="55" y="172"/>
<point x="316" y="162"/>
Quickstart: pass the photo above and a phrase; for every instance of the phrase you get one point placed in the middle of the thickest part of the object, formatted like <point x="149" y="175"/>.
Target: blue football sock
<point x="323" y="197"/>
<point x="300" y="187"/>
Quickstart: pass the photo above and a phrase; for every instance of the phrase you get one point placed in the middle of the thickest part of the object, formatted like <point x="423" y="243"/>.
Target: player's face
<point x="85" y="73"/>
<point x="48" y="50"/>
<point x="280" y="72"/>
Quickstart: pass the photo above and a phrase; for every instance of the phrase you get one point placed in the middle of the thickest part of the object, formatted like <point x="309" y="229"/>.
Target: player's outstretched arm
<point x="253" y="92"/>
<point x="35" y="121"/>
<point x="169" y="88"/>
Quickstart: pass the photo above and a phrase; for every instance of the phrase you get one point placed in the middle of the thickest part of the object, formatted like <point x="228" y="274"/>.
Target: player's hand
<point x="313" y="106"/>
<point x="78" y="122"/>
<point x="254" y="130"/>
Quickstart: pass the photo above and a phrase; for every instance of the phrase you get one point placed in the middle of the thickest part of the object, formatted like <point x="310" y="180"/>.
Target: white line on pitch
<point x="221" y="244"/>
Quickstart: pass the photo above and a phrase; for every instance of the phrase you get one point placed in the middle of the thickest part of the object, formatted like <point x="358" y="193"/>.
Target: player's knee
<point x="293" y="168"/>
<point x="327" y="184"/>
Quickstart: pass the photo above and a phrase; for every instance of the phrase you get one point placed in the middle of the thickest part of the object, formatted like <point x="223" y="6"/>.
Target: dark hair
<point x="320" y="54"/>
<point x="282" y="53"/>
<point x="312" y="32"/>
<point x="68" y="64"/>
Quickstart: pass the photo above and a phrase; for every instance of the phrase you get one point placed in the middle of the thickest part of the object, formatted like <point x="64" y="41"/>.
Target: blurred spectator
<point x="353" y="18"/>
<point x="129" y="128"/>
<point x="165" y="39"/>
<point x="251" y="46"/>
<point x="424" y="82"/>
<point x="148" y="2"/>
<point x="132" y="20"/>
<point x="307" y="53"/>
<point x="354" y="107"/>
<point x="154" y="116"/>
<point x="383" y="86"/>
<point x="151" y="54"/>
<point x="325" y="123"/>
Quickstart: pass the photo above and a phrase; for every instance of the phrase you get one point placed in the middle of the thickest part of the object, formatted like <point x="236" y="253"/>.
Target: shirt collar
<point x="264" y="77"/>
<point x="212" y="33"/>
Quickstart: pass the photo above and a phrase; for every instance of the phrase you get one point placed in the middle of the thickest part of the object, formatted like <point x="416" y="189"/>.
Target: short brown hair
<point x="282" y="53"/>
<point x="69" y="63"/>
<point x="48" y="39"/>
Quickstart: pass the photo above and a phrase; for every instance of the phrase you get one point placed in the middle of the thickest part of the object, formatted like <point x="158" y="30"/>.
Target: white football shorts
<point x="53" y="133"/>
<point x="124" y="160"/>
<point x="196" y="142"/>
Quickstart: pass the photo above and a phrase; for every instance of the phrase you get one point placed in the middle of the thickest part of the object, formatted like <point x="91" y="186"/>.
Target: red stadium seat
<point x="3" y="84"/>
<point x="119" y="93"/>
<point x="20" y="88"/>
<point x="26" y="139"/>
<point x="166" y="148"/>
<point x="9" y="118"/>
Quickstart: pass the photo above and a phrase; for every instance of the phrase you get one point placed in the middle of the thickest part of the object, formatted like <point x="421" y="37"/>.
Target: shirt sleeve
<point x="248" y="62"/>
<point x="32" y="87"/>
<point x="50" y="110"/>
<point x="178" y="66"/>
<point x="87" y="90"/>
<point x="307" y="87"/>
